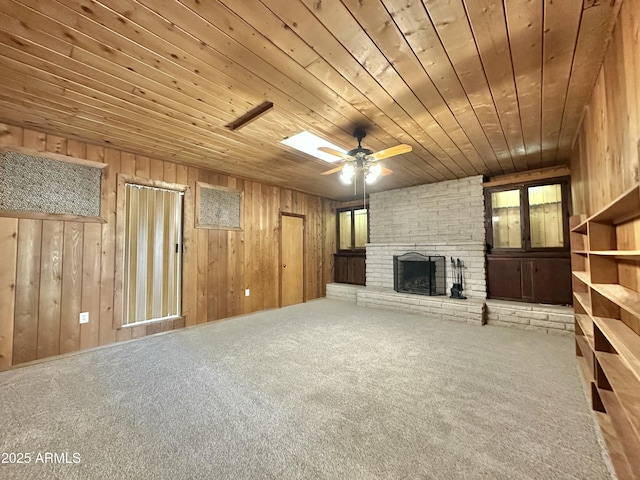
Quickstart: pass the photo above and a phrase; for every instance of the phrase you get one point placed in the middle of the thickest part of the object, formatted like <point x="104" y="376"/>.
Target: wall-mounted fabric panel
<point x="35" y="184"/>
<point x="219" y="207"/>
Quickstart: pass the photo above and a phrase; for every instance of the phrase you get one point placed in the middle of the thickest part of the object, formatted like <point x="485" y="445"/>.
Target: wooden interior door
<point x="292" y="260"/>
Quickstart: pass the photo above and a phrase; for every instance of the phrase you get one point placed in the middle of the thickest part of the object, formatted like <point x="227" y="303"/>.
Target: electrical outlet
<point x="84" y="317"/>
<point x="247" y="292"/>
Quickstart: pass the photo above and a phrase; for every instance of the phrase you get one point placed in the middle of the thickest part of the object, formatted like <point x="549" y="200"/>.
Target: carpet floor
<point x="322" y="390"/>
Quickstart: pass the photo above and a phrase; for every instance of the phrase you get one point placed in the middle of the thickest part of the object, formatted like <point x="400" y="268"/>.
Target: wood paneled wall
<point x="606" y="154"/>
<point x="52" y="270"/>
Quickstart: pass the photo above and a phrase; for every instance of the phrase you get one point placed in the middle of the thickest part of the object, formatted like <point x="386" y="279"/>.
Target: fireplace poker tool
<point x="458" y="279"/>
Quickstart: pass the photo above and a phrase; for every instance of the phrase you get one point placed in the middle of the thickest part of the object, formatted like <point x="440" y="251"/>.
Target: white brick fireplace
<point x="445" y="218"/>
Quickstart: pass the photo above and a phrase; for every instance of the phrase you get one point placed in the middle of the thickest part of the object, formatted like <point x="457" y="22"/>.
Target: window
<point x="505" y="219"/>
<point x="528" y="217"/>
<point x="353" y="228"/>
<point x="545" y="216"/>
<point x="152" y="254"/>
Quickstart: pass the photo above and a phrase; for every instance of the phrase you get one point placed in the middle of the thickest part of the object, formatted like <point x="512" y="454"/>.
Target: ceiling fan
<point x="363" y="159"/>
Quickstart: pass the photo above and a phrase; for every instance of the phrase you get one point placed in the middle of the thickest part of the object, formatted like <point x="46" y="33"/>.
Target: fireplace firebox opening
<point x="419" y="274"/>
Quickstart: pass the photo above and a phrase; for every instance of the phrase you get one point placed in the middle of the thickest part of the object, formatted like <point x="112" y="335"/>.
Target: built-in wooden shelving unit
<point x="606" y="289"/>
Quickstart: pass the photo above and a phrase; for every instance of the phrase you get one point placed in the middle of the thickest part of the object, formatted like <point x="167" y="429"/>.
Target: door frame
<point x="122" y="181"/>
<point x="304" y="251"/>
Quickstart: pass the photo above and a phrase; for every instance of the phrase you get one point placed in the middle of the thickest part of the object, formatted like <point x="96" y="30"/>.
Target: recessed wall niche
<point x="43" y="185"/>
<point x="218" y="207"/>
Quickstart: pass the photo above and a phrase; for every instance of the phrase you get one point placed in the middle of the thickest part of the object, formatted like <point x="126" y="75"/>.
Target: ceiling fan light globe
<point x="348" y="172"/>
<point x="373" y="172"/>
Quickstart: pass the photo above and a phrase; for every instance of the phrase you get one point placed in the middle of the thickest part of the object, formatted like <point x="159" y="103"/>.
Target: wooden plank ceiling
<point x="474" y="86"/>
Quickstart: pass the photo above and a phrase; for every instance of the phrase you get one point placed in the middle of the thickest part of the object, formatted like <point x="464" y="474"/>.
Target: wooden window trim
<point x="353" y="248"/>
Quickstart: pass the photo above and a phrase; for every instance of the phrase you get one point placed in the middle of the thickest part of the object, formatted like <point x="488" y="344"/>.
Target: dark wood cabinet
<point x="530" y="279"/>
<point x="503" y="278"/>
<point x="528" y="257"/>
<point x="350" y="268"/>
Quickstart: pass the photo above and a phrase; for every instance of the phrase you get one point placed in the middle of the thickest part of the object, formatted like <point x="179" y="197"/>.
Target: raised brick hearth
<point x="526" y="316"/>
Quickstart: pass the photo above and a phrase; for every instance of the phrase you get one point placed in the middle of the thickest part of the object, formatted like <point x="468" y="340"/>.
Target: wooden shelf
<point x="623" y="254"/>
<point x="587" y="354"/>
<point x="583" y="277"/>
<point x="625" y="385"/>
<point x="586" y="373"/>
<point x="623" y="296"/>
<point x="584" y="299"/>
<point x="608" y="349"/>
<point x="580" y="228"/>
<point x="623" y="340"/>
<point x="622" y="209"/>
<point x="586" y="325"/>
<point x="629" y="440"/>
<point x="615" y="446"/>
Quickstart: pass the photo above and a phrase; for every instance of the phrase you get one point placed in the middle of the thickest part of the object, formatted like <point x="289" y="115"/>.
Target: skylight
<point x="308" y="143"/>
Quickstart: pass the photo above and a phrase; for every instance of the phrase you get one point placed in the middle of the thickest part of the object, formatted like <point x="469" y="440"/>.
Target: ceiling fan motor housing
<point x="359" y="152"/>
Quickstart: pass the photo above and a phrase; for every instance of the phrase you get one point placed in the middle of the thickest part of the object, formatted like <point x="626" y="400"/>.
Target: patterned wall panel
<point x="219" y="207"/>
<point x="34" y="184"/>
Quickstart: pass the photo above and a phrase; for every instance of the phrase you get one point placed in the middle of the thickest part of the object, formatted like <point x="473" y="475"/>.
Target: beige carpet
<point x="323" y="390"/>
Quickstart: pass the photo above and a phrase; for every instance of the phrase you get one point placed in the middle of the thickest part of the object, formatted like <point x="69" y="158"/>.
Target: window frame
<point x="353" y="248"/>
<point x="525" y="221"/>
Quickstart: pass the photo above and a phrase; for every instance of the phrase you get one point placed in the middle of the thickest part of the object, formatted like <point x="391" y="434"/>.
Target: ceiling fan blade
<point x="333" y="170"/>
<point x="386" y="171"/>
<point x="331" y="151"/>
<point x="390" y="152"/>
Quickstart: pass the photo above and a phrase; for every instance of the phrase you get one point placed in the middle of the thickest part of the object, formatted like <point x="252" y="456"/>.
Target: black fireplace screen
<point x="419" y="274"/>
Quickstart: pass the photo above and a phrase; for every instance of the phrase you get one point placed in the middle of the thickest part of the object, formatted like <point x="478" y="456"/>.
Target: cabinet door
<point x="349" y="269"/>
<point x="504" y="279"/>
<point x="552" y="281"/>
<point x="341" y="269"/>
<point x="357" y="270"/>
